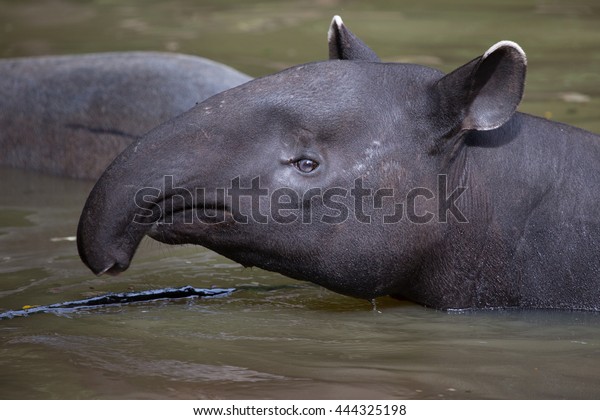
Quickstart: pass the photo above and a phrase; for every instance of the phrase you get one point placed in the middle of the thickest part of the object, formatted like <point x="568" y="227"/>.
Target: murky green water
<point x="278" y="338"/>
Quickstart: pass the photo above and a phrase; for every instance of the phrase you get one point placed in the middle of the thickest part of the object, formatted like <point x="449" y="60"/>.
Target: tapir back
<point x="71" y="115"/>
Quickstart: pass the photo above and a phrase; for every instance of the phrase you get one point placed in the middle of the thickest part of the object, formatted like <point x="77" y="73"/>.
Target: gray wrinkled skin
<point x="71" y="115"/>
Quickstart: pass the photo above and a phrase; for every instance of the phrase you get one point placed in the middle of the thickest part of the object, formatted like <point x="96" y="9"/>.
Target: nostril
<point x="113" y="270"/>
<point x="113" y="267"/>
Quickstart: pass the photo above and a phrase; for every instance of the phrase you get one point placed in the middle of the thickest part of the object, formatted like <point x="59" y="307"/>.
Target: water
<point x="276" y="337"/>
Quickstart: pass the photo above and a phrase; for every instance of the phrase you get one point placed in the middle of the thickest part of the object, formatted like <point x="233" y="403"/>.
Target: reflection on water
<point x="275" y="337"/>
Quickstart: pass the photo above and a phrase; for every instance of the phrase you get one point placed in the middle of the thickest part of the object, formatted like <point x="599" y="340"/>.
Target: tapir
<point x="370" y="179"/>
<point x="72" y="115"/>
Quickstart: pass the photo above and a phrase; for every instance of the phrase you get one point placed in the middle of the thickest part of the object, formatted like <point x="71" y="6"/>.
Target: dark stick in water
<point x="119" y="299"/>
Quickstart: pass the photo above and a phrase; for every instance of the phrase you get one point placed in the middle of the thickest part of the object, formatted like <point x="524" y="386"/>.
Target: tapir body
<point x="72" y="115"/>
<point x="370" y="179"/>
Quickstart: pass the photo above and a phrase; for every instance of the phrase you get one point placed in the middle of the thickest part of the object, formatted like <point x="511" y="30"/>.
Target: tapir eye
<point x="306" y="165"/>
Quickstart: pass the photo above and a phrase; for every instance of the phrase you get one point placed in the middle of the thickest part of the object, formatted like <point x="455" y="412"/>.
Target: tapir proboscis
<point x="370" y="179"/>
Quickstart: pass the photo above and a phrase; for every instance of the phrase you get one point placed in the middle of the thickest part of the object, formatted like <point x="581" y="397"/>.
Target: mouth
<point x="190" y="223"/>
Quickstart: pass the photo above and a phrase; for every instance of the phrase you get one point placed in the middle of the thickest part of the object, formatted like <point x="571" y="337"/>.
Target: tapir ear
<point x="484" y="93"/>
<point x="344" y="45"/>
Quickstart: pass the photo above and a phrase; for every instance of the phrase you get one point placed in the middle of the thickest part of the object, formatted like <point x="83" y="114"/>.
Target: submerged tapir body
<point x="370" y="179"/>
<point x="72" y="115"/>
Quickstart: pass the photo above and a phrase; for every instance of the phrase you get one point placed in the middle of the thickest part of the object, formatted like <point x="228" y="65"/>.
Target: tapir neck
<point x="527" y="182"/>
<point x="534" y="164"/>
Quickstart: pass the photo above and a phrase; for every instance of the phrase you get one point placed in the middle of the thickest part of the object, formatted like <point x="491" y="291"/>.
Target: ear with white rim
<point x="344" y="45"/>
<point x="484" y="93"/>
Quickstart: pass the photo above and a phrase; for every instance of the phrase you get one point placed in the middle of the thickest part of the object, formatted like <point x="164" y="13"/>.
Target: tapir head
<point x="310" y="172"/>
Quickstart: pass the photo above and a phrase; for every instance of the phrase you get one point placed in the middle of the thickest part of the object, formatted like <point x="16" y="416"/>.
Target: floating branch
<point x="119" y="299"/>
